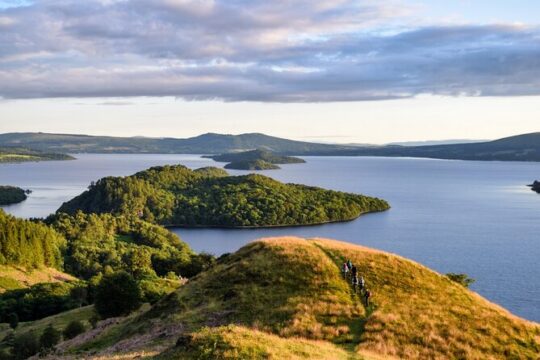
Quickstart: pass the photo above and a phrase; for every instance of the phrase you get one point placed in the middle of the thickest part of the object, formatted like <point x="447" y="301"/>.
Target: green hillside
<point x="176" y="195"/>
<point x="28" y="244"/>
<point x="286" y="297"/>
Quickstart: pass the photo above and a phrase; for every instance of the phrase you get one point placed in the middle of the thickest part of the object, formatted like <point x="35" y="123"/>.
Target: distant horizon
<point x="310" y="139"/>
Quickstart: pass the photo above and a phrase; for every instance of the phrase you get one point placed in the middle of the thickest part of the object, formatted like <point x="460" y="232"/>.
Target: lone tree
<point x="49" y="338"/>
<point x="73" y="329"/>
<point x="13" y="320"/>
<point x="462" y="279"/>
<point x="117" y="294"/>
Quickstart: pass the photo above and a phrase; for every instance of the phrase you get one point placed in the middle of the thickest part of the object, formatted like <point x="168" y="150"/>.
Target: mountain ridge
<point x="524" y="147"/>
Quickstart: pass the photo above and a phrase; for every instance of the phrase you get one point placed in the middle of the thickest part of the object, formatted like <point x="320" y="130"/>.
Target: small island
<point x="535" y="186"/>
<point x="251" y="165"/>
<point x="19" y="154"/>
<point x="12" y="195"/>
<point x="255" y="160"/>
<point x="210" y="197"/>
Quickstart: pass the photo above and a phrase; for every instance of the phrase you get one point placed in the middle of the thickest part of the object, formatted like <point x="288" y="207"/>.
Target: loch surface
<point x="477" y="218"/>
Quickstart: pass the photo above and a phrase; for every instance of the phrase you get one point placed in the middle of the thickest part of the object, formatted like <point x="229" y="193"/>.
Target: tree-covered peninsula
<point x="18" y="154"/>
<point x="178" y="196"/>
<point x="12" y="195"/>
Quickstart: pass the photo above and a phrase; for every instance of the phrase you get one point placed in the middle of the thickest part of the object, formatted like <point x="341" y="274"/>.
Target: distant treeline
<point x="176" y="195"/>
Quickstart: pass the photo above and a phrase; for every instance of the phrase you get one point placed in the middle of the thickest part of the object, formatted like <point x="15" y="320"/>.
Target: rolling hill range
<point x="286" y="298"/>
<point x="204" y="144"/>
<point x="516" y="148"/>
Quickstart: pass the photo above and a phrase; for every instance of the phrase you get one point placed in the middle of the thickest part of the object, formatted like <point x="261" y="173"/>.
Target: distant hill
<point x="285" y="298"/>
<point x="10" y="154"/>
<point x="435" y="142"/>
<point x="204" y="144"/>
<point x="516" y="148"/>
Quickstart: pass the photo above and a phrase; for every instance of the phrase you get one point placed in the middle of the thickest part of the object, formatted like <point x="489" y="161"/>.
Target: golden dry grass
<point x="289" y="292"/>
<point x="28" y="277"/>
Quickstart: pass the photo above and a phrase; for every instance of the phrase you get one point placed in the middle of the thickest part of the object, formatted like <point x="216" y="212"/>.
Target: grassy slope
<point x="292" y="288"/>
<point x="12" y="277"/>
<point x="59" y="321"/>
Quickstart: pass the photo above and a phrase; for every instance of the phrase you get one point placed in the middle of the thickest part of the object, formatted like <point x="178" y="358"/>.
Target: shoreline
<point x="253" y="227"/>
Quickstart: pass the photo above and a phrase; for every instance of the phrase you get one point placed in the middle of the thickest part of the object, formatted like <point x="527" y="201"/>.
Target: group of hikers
<point x="349" y="270"/>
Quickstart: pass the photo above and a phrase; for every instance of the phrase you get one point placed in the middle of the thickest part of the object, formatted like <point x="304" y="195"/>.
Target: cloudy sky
<point x="331" y="70"/>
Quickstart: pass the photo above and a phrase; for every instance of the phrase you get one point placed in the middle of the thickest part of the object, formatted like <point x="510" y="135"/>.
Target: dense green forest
<point x="251" y="165"/>
<point x="18" y="154"/>
<point x="176" y="195"/>
<point x="101" y="243"/>
<point x="259" y="154"/>
<point x="29" y="244"/>
<point x="11" y="195"/>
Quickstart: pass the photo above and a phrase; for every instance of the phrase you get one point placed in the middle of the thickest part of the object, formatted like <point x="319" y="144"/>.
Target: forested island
<point x="20" y="154"/>
<point x="209" y="197"/>
<point x="12" y="195"/>
<point x="251" y="165"/>
<point x="255" y="160"/>
<point x="535" y="186"/>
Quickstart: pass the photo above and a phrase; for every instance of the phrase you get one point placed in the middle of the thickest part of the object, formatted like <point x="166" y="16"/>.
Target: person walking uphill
<point x="367" y="295"/>
<point x="354" y="271"/>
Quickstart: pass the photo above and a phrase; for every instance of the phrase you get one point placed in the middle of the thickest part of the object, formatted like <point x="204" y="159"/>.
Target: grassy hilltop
<point x="286" y="298"/>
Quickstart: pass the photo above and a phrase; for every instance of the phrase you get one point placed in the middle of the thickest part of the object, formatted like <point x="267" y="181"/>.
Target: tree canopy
<point x="176" y="195"/>
<point x="29" y="244"/>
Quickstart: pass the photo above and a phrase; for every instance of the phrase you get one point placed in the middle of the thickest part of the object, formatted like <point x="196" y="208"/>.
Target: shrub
<point x="49" y="338"/>
<point x="25" y="345"/>
<point x="13" y="320"/>
<point x="117" y="294"/>
<point x="462" y="279"/>
<point x="73" y="329"/>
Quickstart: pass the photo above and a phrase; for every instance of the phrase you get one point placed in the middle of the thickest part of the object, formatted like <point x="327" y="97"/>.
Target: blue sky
<point x="336" y="70"/>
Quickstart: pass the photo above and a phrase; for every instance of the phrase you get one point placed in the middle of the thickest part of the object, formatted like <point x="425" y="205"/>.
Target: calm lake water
<point x="453" y="216"/>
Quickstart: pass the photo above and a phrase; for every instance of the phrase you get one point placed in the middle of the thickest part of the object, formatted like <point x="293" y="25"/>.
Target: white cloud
<point x="236" y="50"/>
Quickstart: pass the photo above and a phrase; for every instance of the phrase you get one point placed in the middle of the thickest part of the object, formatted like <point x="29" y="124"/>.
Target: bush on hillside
<point x="462" y="279"/>
<point x="49" y="338"/>
<point x="25" y="345"/>
<point x="117" y="294"/>
<point x="73" y="329"/>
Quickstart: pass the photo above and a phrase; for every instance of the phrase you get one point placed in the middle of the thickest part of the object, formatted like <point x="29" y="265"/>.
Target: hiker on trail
<point x="349" y="263"/>
<point x="367" y="295"/>
<point x="345" y="269"/>
<point x="354" y="282"/>
<point x="354" y="271"/>
<point x="362" y="283"/>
